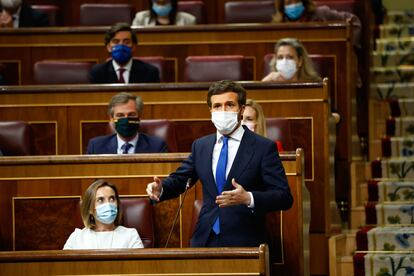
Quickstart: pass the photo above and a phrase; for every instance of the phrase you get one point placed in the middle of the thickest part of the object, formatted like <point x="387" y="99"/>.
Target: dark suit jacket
<point x="256" y="167"/>
<point x="108" y="144"/>
<point x="141" y="72"/>
<point x="32" y="18"/>
<point x="2" y="80"/>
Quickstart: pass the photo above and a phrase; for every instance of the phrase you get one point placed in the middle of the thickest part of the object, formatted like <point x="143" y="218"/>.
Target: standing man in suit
<point x="241" y="173"/>
<point x="16" y="14"/>
<point x="121" y="42"/>
<point x="124" y="112"/>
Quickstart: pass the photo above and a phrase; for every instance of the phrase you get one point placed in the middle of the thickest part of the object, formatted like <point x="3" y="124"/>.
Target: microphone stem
<point x="178" y="211"/>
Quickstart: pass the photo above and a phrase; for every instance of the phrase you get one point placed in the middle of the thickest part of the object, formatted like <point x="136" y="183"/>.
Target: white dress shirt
<point x="121" y="237"/>
<point x="127" y="68"/>
<point x="233" y="146"/>
<point x="121" y="142"/>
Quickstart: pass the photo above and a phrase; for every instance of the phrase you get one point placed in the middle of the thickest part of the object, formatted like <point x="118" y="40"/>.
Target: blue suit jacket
<point x="257" y="167"/>
<point x="108" y="144"/>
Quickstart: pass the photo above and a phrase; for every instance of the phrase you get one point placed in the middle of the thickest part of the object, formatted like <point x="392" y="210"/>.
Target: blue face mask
<point x="162" y="10"/>
<point x="106" y="213"/>
<point x="294" y="11"/>
<point x="121" y="53"/>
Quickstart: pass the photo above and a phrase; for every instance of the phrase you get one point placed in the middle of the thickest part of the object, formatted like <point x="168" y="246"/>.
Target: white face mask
<point x="286" y="67"/>
<point x="225" y="121"/>
<point x="250" y="125"/>
<point x="11" y="4"/>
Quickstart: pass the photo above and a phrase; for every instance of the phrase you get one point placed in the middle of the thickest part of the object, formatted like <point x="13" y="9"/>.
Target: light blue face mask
<point x="162" y="10"/>
<point x="106" y="213"/>
<point x="294" y="11"/>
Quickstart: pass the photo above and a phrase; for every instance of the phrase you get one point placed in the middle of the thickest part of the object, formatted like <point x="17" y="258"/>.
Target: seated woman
<point x="101" y="215"/>
<point x="307" y="11"/>
<point x="291" y="63"/>
<point x="254" y="119"/>
<point x="163" y="12"/>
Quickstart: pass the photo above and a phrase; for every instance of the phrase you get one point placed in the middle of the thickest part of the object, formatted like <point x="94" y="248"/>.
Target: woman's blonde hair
<point x="279" y="15"/>
<point x="306" y="71"/>
<point x="88" y="203"/>
<point x="260" y="118"/>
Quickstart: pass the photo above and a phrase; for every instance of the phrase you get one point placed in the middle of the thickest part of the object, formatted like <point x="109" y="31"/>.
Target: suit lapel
<point x="112" y="146"/>
<point x="142" y="144"/>
<point x="112" y="73"/>
<point x="211" y="183"/>
<point x="132" y="78"/>
<point x="243" y="156"/>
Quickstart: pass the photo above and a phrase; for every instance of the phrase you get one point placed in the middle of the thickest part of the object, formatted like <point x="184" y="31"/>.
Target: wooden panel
<point x="71" y="175"/>
<point x="34" y="228"/>
<point x="191" y="262"/>
<point x="45" y="137"/>
<point x="10" y="70"/>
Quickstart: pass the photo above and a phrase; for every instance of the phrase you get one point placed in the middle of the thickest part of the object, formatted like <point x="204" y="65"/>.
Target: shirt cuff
<point x="162" y="190"/>
<point x="251" y="205"/>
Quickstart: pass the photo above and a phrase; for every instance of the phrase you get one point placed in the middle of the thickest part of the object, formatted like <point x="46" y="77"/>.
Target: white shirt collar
<point x="126" y="67"/>
<point x="16" y="17"/>
<point x="236" y="135"/>
<point x="133" y="142"/>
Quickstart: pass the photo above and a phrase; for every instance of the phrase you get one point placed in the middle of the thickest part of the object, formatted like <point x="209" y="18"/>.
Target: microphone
<point x="187" y="186"/>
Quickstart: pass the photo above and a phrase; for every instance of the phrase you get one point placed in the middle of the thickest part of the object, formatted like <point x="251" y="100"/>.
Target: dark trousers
<point x="214" y="240"/>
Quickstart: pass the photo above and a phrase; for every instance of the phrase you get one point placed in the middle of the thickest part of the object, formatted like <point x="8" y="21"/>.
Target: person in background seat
<point x="17" y="14"/>
<point x="121" y="43"/>
<point x="163" y="13"/>
<point x="291" y="63"/>
<point x="101" y="215"/>
<point x="125" y="112"/>
<point x="254" y="119"/>
<point x="307" y="11"/>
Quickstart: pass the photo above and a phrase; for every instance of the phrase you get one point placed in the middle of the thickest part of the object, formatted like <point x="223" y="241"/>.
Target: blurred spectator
<point x="16" y="14"/>
<point x="163" y="12"/>
<point x="254" y="119"/>
<point x="291" y="63"/>
<point x="307" y="11"/>
<point x="101" y="215"/>
<point x="121" y="42"/>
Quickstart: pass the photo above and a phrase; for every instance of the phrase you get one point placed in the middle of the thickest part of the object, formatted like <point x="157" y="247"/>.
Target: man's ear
<point x="243" y="107"/>
<point x="108" y="48"/>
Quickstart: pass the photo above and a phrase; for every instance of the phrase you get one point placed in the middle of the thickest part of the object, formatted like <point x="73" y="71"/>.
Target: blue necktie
<point x="221" y="176"/>
<point x="125" y="148"/>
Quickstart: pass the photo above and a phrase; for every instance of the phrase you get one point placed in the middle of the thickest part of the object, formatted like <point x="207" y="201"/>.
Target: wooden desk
<point x="186" y="261"/>
<point x="63" y="176"/>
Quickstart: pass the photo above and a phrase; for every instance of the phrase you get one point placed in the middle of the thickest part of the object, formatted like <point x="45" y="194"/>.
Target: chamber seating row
<point x="197" y="69"/>
<point x="51" y="186"/>
<point x="105" y="14"/>
<point x="176" y="43"/>
<point x="72" y="111"/>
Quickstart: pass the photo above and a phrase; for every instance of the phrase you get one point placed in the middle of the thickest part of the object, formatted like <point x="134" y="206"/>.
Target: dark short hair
<point x="120" y="27"/>
<point x="123" y="98"/>
<point x="224" y="86"/>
